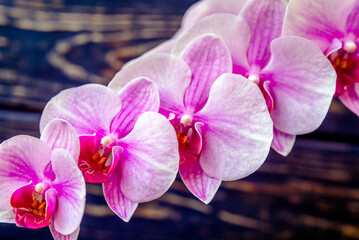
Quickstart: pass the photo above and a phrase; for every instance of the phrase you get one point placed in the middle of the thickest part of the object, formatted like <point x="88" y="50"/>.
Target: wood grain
<point x="50" y="45"/>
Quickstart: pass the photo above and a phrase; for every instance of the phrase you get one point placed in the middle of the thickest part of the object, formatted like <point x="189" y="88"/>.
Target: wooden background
<point x="47" y="46"/>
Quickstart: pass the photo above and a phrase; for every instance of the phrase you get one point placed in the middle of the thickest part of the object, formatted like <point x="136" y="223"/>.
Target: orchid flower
<point x="40" y="182"/>
<point x="132" y="151"/>
<point x="334" y="26"/>
<point x="297" y="94"/>
<point x="223" y="127"/>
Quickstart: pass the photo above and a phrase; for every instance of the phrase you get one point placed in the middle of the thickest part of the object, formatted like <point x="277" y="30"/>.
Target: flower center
<point x="254" y="75"/>
<point x="30" y="206"/>
<point x="96" y="158"/>
<point x="189" y="140"/>
<point x="344" y="62"/>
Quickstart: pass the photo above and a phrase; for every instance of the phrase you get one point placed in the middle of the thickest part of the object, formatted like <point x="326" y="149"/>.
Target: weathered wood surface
<point x="47" y="46"/>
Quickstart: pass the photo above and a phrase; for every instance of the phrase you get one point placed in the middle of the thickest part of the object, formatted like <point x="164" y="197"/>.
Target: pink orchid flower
<point x="334" y="26"/>
<point x="132" y="151"/>
<point x="297" y="94"/>
<point x="40" y="182"/>
<point x="221" y="120"/>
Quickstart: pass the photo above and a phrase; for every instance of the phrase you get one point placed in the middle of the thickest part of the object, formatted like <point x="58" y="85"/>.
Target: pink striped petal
<point x="138" y="96"/>
<point x="352" y="24"/>
<point x="208" y="58"/>
<point x="71" y="192"/>
<point x="205" y="8"/>
<point x="237" y="130"/>
<point x="302" y="82"/>
<point x="149" y="163"/>
<point x="58" y="236"/>
<point x="116" y="200"/>
<point x="60" y="134"/>
<point x="350" y="98"/>
<point x="265" y="20"/>
<point x="282" y="142"/>
<point x="231" y="28"/>
<point x="318" y="20"/>
<point x="89" y="108"/>
<point x="198" y="182"/>
<point x="22" y="159"/>
<point x="168" y="73"/>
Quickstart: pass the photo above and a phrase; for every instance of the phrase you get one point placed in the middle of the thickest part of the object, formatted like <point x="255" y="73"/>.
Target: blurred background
<point x="50" y="45"/>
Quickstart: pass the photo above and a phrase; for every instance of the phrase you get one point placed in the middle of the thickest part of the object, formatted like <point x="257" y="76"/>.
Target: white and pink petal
<point x="71" y="192"/>
<point x="302" y="83"/>
<point x="89" y="108"/>
<point x="59" y="133"/>
<point x="208" y="57"/>
<point x="265" y="20"/>
<point x="237" y="130"/>
<point x="168" y="72"/>
<point x="232" y="29"/>
<point x="318" y="20"/>
<point x="116" y="200"/>
<point x="149" y="162"/>
<point x="138" y="96"/>
<point x="198" y="182"/>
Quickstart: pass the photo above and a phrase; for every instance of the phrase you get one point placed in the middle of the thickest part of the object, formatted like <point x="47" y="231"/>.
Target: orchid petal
<point x="58" y="236"/>
<point x="318" y="20"/>
<point x="237" y="130"/>
<point x="149" y="163"/>
<point x="71" y="192"/>
<point x="205" y="8"/>
<point x="7" y="216"/>
<point x="89" y="108"/>
<point x="168" y="72"/>
<point x="302" y="82"/>
<point x="138" y="96"/>
<point x="51" y="202"/>
<point x="231" y="28"/>
<point x="60" y="134"/>
<point x="352" y="24"/>
<point x="22" y="159"/>
<point x="282" y="142"/>
<point x="350" y="98"/>
<point x="116" y="200"/>
<point x="265" y="19"/>
<point x="198" y="182"/>
<point x="208" y="58"/>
